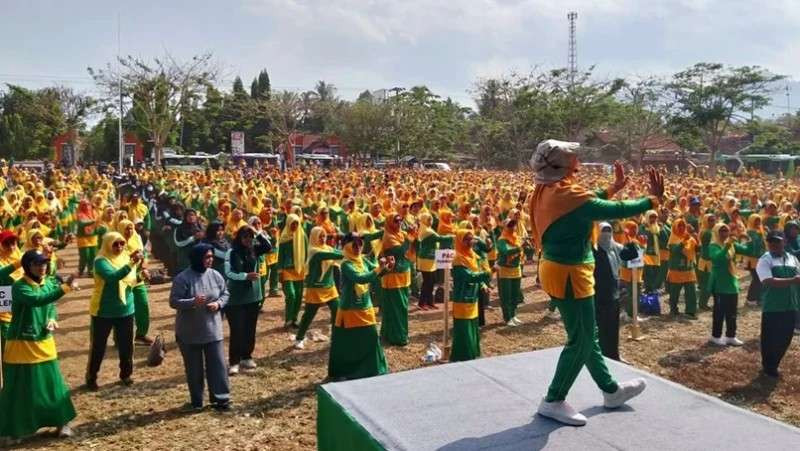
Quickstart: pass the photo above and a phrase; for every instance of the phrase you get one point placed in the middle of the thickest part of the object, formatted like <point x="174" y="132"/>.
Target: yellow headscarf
<point x="134" y="243"/>
<point x="358" y="263"/>
<point x="716" y="240"/>
<point x="298" y="241"/>
<point x="29" y="236"/>
<point x="425" y="225"/>
<point x="317" y="244"/>
<point x="117" y="261"/>
<point x="689" y="244"/>
<point x="465" y="255"/>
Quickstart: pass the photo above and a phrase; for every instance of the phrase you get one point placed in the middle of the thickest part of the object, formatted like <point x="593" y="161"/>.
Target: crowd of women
<point x="361" y="243"/>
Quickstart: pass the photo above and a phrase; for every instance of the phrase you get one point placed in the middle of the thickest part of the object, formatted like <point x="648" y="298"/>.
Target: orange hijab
<point x="552" y="201"/>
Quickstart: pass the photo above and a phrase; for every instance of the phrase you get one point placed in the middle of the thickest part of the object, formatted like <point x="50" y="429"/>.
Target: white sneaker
<point x="717" y="341"/>
<point x="233" y="370"/>
<point x="65" y="431"/>
<point x="517" y="320"/>
<point x="300" y="344"/>
<point x="553" y="314"/>
<point x="562" y="412"/>
<point x="248" y="364"/>
<point x="511" y="323"/>
<point x="733" y="341"/>
<point x="626" y="391"/>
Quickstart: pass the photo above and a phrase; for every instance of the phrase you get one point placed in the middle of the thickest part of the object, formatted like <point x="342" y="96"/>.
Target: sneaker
<point x="562" y="412"/>
<point x="771" y="373"/>
<point x="511" y="323"/>
<point x="752" y="303"/>
<point x="222" y="406"/>
<point x="92" y="386"/>
<point x="65" y="431"/>
<point x="300" y="344"/>
<point x="625" y="392"/>
<point x="733" y="341"/>
<point x="233" y="370"/>
<point x="248" y="364"/>
<point x="517" y="320"/>
<point x="274" y="294"/>
<point x="553" y="314"/>
<point x="717" y="341"/>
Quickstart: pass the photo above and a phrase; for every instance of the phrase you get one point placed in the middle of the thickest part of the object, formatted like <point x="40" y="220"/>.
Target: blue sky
<point x="373" y="44"/>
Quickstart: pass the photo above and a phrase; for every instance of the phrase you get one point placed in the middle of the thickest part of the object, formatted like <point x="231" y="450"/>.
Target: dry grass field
<point x="275" y="407"/>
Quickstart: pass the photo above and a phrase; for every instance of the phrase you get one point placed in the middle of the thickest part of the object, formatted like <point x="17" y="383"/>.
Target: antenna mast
<point x="572" y="16"/>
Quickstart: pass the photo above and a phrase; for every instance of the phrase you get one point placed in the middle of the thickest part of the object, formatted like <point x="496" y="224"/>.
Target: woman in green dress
<point x="35" y="394"/>
<point x="291" y="263"/>
<point x="509" y="271"/>
<point x="395" y="284"/>
<point x="320" y="287"/>
<point x="356" y="350"/>
<point x="428" y="242"/>
<point x="468" y="278"/>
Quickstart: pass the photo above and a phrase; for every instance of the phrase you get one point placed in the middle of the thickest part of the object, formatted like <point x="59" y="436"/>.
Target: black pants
<point x="754" y="292"/>
<point x="242" y="320"/>
<point x="607" y="313"/>
<point x="483" y="301"/>
<point x="725" y="305"/>
<point x="777" y="330"/>
<point x="426" y="292"/>
<point x="123" y="336"/>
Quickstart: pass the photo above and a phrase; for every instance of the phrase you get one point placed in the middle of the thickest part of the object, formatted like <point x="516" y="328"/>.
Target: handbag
<point x="649" y="304"/>
<point x="158" y="350"/>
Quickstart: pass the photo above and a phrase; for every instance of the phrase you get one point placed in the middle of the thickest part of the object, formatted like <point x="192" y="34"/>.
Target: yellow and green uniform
<point x="681" y="274"/>
<point x="291" y="277"/>
<point x="722" y="278"/>
<point x="320" y="288"/>
<point x="395" y="288"/>
<point x="356" y="350"/>
<point x="755" y="248"/>
<point x="563" y="220"/>
<point x="779" y="308"/>
<point x="509" y="275"/>
<point x="87" y="244"/>
<point x="664" y="256"/>
<point x="652" y="255"/>
<point x="35" y="394"/>
<point x="704" y="269"/>
<point x="466" y="330"/>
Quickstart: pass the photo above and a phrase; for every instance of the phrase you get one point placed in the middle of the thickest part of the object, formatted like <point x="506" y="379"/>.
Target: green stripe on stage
<point x="337" y="430"/>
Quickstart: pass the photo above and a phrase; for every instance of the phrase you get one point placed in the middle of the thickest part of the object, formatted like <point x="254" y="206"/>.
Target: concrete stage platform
<point x="491" y="403"/>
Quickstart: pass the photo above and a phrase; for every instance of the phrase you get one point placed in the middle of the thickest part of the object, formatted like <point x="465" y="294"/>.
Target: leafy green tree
<point x="639" y="116"/>
<point x="29" y="120"/>
<point x="157" y="91"/>
<point x="710" y="98"/>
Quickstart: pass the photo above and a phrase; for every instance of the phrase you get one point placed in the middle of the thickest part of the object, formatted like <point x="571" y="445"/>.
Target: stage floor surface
<point x="491" y="403"/>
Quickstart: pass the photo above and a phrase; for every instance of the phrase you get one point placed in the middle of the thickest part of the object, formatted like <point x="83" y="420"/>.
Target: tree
<point x="29" y="120"/>
<point x="102" y="141"/>
<point x="365" y="127"/>
<point x="639" y="116"/>
<point x="285" y="115"/>
<point x="710" y="98"/>
<point x="157" y="91"/>
<point x="238" y="86"/>
<point x="260" y="88"/>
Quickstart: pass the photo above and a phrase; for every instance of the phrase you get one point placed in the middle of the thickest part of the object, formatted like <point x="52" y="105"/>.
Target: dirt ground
<point x="275" y="406"/>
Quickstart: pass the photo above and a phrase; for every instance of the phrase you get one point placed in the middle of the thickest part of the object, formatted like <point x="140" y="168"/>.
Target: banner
<point x="5" y="298"/>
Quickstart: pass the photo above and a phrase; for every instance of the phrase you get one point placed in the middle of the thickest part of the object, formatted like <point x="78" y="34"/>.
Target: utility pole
<point x="788" y="101"/>
<point x="119" y="85"/>
<point x="572" y="57"/>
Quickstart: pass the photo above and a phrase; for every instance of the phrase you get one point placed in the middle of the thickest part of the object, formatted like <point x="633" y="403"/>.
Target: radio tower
<point x="573" y="50"/>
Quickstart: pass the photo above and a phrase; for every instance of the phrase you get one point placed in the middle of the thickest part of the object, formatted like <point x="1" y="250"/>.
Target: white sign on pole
<point x="5" y="298"/>
<point x="637" y="262"/>
<point x="237" y="143"/>
<point x="444" y="258"/>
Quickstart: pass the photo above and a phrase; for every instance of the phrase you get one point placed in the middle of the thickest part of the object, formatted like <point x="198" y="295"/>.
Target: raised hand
<point x="656" y="183"/>
<point x="620" y="179"/>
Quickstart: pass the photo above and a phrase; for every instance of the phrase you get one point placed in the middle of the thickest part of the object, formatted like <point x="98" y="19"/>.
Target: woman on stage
<point x="563" y="215"/>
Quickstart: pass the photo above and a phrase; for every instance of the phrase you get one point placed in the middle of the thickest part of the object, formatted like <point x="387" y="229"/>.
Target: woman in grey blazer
<point x="198" y="294"/>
